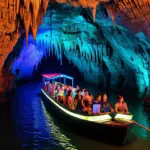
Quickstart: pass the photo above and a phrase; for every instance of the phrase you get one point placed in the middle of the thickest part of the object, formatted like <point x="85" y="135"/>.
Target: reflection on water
<point x="34" y="125"/>
<point x="37" y="129"/>
<point x="55" y="131"/>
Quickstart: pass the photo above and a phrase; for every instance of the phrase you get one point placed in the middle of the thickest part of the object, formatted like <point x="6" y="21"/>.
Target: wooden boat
<point x="111" y="128"/>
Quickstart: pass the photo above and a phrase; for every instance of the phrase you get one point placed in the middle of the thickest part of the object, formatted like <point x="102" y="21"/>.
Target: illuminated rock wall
<point x="28" y="61"/>
<point x="91" y="34"/>
<point x="15" y="16"/>
<point x="101" y="51"/>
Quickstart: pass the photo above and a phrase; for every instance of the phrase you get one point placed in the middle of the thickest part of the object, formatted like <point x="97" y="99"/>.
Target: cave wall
<point x="67" y="27"/>
<point x="134" y="15"/>
<point x="8" y="37"/>
<point x="28" y="61"/>
<point x="15" y="16"/>
<point x="100" y="50"/>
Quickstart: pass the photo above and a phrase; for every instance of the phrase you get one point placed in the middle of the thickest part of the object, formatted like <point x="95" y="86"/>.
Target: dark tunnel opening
<point x="52" y="65"/>
<point x="120" y="82"/>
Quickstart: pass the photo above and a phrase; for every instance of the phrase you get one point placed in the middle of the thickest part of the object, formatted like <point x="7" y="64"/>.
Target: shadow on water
<point x="36" y="128"/>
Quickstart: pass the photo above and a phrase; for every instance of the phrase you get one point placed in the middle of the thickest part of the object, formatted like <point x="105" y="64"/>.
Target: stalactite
<point x="27" y="20"/>
<point x="17" y="5"/>
<point x="34" y="30"/>
<point x="94" y="12"/>
<point x="23" y="8"/>
<point x="111" y="12"/>
<point x="85" y="4"/>
<point x="45" y="4"/>
<point x="31" y="17"/>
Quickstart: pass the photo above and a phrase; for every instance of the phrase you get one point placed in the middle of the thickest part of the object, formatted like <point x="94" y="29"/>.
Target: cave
<point x="104" y="45"/>
<point x="84" y="37"/>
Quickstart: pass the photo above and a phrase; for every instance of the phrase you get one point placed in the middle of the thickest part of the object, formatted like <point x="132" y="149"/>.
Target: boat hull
<point x="109" y="133"/>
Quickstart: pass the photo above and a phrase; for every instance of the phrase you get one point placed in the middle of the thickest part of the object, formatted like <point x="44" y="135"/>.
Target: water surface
<point x="35" y="128"/>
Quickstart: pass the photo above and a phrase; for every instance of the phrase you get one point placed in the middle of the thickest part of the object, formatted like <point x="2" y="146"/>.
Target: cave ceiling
<point x="133" y="14"/>
<point x="96" y="47"/>
<point x="89" y="32"/>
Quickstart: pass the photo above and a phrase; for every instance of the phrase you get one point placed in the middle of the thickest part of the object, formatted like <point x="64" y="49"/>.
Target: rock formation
<point x="17" y="16"/>
<point x="100" y="50"/>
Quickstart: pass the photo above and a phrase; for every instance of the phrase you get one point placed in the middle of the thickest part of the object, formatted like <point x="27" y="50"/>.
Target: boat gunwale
<point x="78" y="113"/>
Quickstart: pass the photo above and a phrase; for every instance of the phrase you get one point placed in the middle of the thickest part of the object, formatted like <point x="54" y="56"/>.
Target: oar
<point x="141" y="125"/>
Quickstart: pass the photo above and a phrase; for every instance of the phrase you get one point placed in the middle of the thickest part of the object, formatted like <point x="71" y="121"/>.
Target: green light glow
<point x="98" y="119"/>
<point x="124" y="117"/>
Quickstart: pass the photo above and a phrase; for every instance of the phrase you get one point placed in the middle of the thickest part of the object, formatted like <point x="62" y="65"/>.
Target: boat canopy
<point x="56" y="75"/>
<point x="52" y="77"/>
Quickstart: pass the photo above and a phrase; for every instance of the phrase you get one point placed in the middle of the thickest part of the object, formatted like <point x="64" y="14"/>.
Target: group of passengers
<point x="86" y="103"/>
<point x="81" y="100"/>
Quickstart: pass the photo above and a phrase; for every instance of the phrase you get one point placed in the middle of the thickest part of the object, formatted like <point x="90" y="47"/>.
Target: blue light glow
<point x="96" y="50"/>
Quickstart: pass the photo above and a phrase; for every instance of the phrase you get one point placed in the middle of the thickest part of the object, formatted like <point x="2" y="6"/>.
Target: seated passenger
<point x="69" y="88"/>
<point x="78" y="100"/>
<point x="70" y="100"/>
<point x="61" y="95"/>
<point x="86" y="103"/>
<point x="65" y="90"/>
<point x="105" y="105"/>
<point x="83" y="92"/>
<point x="57" y="91"/>
<point x="50" y="89"/>
<point x="77" y="87"/>
<point x="121" y="105"/>
<point x="45" y="87"/>
<point x="74" y="92"/>
<point x="86" y="94"/>
<point x="97" y="104"/>
<point x="97" y="99"/>
<point x="55" y="85"/>
<point x="91" y="99"/>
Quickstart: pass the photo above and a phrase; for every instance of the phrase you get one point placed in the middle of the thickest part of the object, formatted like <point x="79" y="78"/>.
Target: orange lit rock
<point x="85" y="4"/>
<point x="12" y="13"/>
<point x="135" y="14"/>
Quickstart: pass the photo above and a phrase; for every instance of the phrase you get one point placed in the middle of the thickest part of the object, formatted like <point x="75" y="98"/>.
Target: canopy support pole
<point x="64" y="80"/>
<point x="48" y="86"/>
<point x="72" y="83"/>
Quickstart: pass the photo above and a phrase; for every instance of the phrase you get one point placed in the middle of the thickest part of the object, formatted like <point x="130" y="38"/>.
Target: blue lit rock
<point x="98" y="49"/>
<point x="28" y="60"/>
